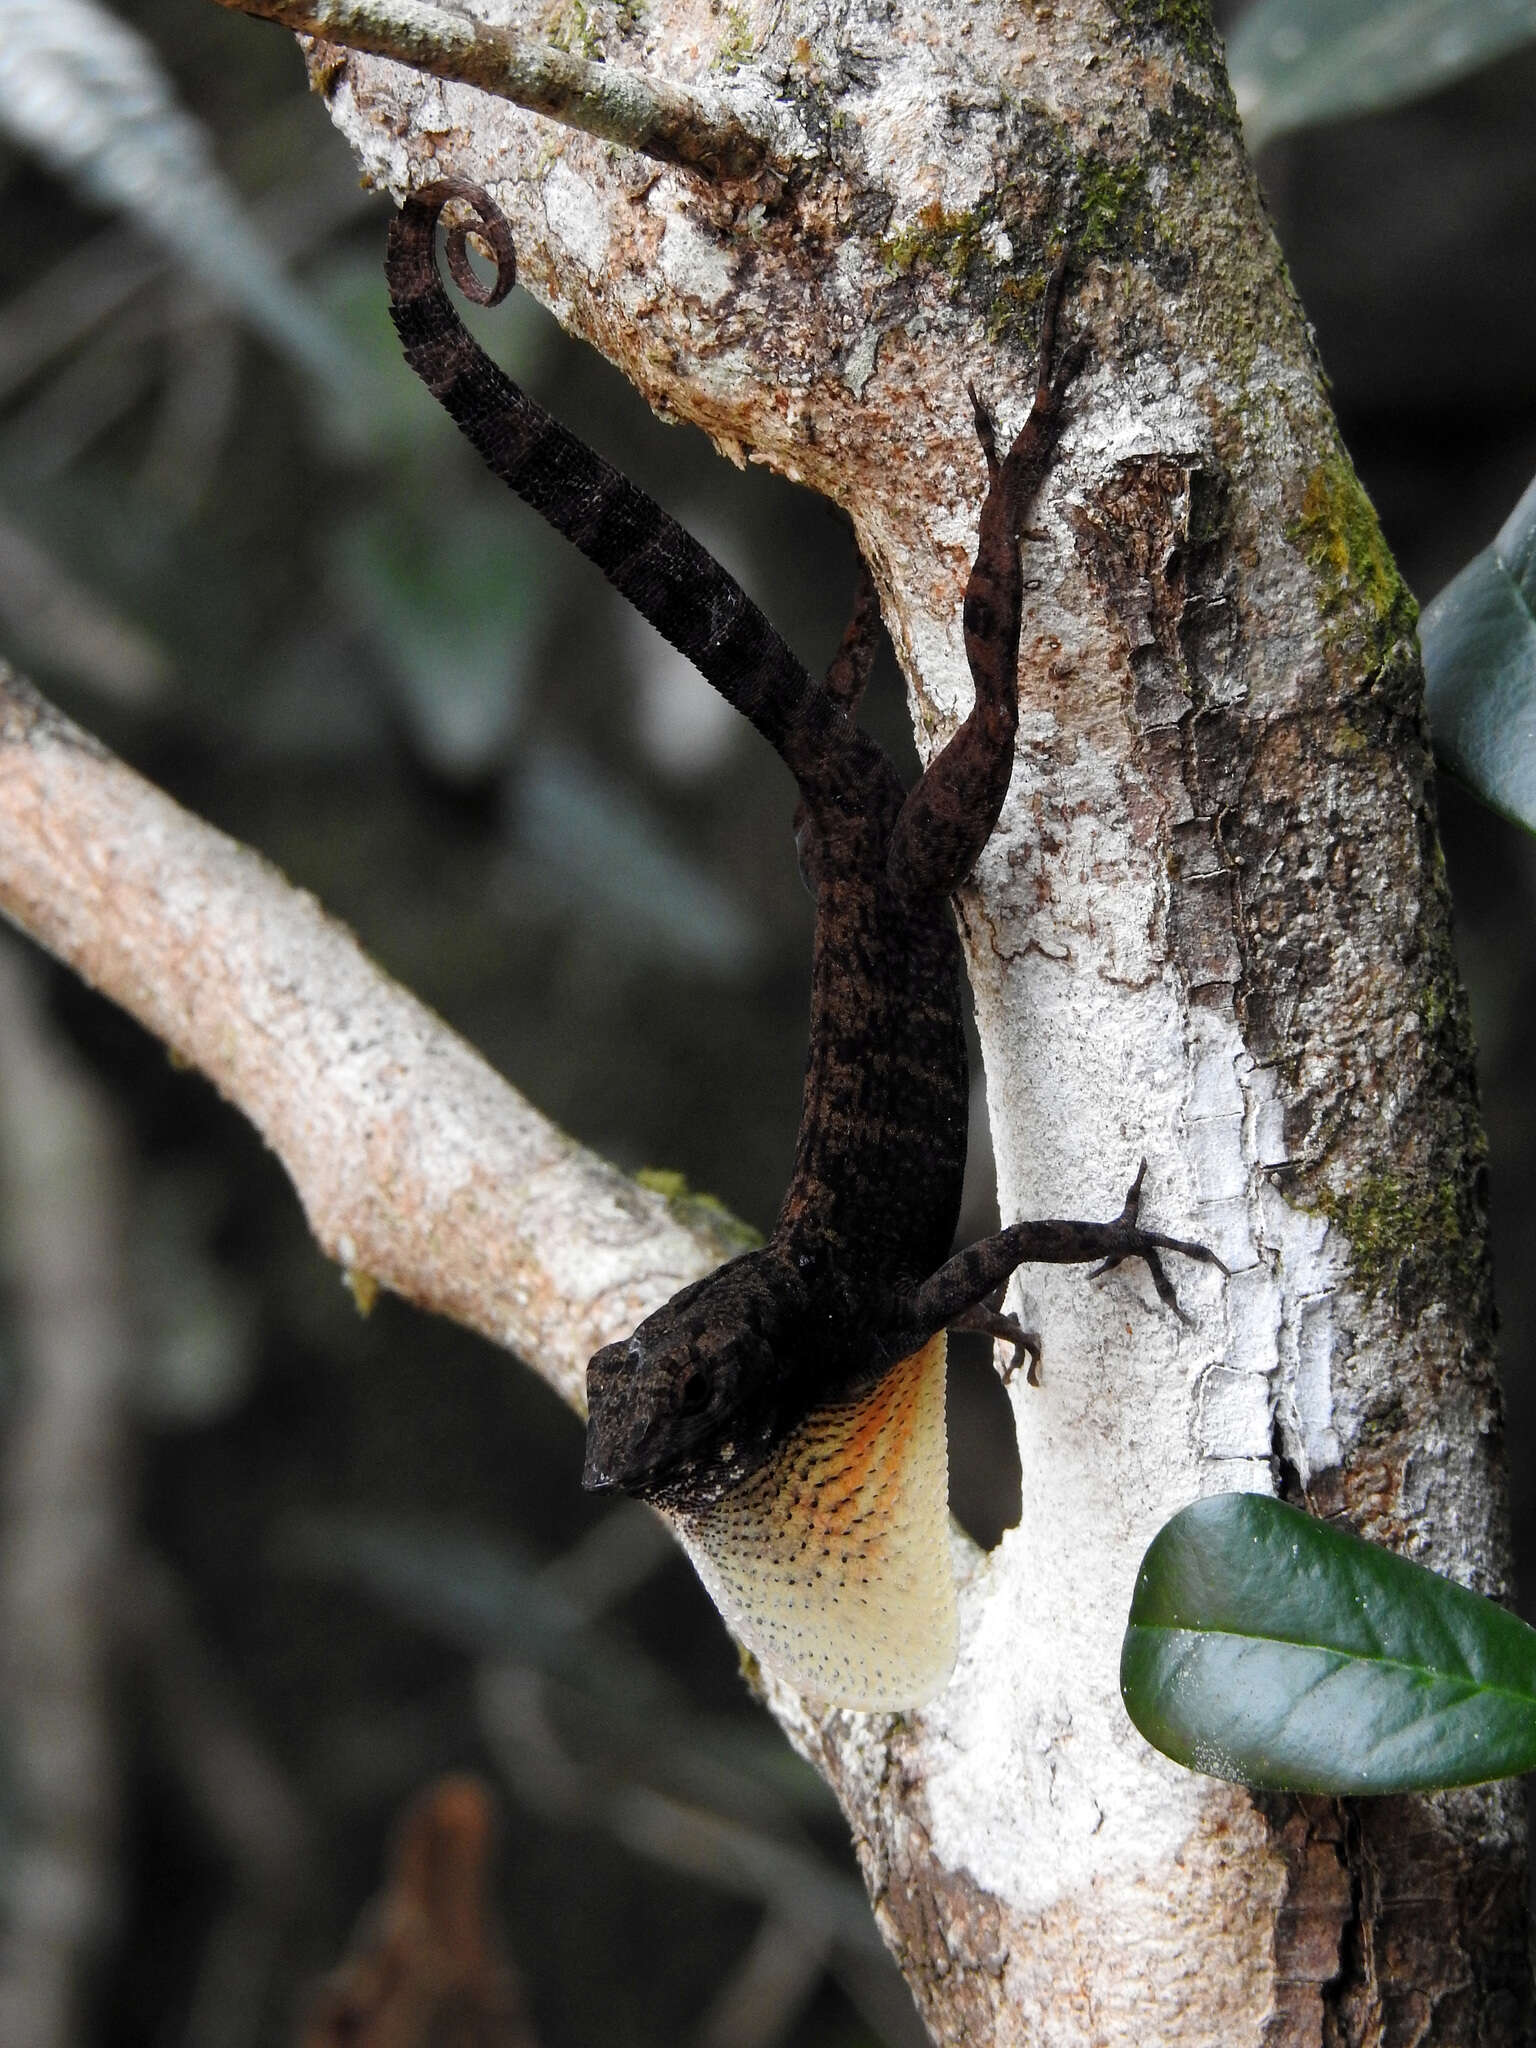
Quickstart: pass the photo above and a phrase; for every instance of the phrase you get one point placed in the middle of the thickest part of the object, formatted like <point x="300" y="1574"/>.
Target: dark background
<point x="374" y="667"/>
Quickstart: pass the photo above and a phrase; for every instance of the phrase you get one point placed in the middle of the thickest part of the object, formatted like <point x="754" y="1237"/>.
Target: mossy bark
<point x="1212" y="926"/>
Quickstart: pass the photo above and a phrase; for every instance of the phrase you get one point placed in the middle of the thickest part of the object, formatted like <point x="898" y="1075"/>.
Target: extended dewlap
<point x="831" y="1563"/>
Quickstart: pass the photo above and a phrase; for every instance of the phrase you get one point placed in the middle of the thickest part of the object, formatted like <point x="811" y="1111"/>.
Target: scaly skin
<point x="854" y="1277"/>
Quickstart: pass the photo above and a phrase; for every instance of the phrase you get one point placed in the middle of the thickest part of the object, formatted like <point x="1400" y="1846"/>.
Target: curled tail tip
<point x="410" y="262"/>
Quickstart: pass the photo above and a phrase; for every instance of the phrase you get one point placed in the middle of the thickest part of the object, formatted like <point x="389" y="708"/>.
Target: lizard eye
<point x="695" y="1394"/>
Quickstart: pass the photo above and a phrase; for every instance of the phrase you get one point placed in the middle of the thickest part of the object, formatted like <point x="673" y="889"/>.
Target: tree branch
<point x="1210" y="928"/>
<point x="416" y="1164"/>
<point x="674" y="124"/>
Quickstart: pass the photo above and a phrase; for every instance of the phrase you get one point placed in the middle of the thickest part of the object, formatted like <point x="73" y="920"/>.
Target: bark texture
<point x="1211" y="927"/>
<point x="418" y="1167"/>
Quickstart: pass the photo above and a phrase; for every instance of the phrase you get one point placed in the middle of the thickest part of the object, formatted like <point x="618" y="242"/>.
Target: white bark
<point x="1118" y="922"/>
<point x="1210" y="929"/>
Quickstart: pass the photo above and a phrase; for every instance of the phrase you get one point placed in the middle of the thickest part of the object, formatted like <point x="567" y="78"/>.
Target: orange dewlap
<point x="831" y="1563"/>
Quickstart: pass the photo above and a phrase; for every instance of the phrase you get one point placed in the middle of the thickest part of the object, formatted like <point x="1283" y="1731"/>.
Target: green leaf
<point x="1279" y="1651"/>
<point x="1296" y="62"/>
<point x="1479" y="642"/>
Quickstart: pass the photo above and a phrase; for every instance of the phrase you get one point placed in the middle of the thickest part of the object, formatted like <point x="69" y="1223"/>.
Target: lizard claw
<point x="1026" y="1346"/>
<point x="987" y="1320"/>
<point x="1149" y="1245"/>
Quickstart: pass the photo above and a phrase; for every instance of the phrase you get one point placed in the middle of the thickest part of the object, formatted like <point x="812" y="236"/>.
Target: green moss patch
<point x="1393" y="1222"/>
<point x="571" y="27"/>
<point x="1339" y="534"/>
<point x="698" y="1211"/>
<point x="1184" y="23"/>
<point x="947" y="242"/>
<point x="1113" y="210"/>
<point x="736" y="44"/>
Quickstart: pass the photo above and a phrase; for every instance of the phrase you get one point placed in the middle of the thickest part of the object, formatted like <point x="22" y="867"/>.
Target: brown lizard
<point x="787" y="1412"/>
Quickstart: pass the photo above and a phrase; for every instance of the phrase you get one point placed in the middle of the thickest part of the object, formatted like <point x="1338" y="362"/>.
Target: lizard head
<point x="695" y="1400"/>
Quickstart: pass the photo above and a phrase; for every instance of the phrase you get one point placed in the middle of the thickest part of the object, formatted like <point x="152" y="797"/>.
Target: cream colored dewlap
<point x="831" y="1563"/>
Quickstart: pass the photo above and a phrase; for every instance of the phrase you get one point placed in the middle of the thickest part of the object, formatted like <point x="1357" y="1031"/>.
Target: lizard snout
<point x="621" y="1426"/>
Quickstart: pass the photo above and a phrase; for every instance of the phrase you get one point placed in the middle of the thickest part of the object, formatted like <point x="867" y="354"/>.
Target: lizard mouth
<point x="689" y="1466"/>
<point x="831" y="1561"/>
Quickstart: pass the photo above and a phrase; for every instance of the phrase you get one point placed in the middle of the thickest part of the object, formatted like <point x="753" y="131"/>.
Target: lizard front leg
<point x="965" y="1281"/>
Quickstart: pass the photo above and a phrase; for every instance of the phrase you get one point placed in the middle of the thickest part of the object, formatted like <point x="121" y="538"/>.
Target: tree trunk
<point x="1211" y="928"/>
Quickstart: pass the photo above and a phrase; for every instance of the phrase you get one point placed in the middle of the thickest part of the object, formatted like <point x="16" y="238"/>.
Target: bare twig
<point x="672" y="123"/>
<point x="247" y="1810"/>
<point x="87" y="289"/>
<point x="766" y="1993"/>
<point x="778" y="1870"/>
<point x="810" y="1903"/>
<point x="416" y="1164"/>
<point x="54" y="611"/>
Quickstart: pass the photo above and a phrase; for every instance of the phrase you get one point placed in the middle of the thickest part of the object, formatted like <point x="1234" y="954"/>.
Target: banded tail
<point x="656" y="564"/>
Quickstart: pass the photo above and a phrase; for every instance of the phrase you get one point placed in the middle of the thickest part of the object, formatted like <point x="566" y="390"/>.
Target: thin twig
<point x="672" y="123"/>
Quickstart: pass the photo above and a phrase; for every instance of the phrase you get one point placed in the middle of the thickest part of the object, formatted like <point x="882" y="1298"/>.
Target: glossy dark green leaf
<point x="1295" y="62"/>
<point x="1479" y="641"/>
<point x="1280" y="1651"/>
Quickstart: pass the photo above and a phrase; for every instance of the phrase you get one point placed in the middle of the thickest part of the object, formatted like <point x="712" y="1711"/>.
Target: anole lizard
<point x="787" y="1412"/>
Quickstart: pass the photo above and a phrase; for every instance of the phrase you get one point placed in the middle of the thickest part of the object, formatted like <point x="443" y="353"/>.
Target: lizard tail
<point x="651" y="560"/>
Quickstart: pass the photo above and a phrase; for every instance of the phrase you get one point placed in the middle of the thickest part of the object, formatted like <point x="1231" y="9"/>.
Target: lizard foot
<point x="1149" y="1245"/>
<point x="987" y="1320"/>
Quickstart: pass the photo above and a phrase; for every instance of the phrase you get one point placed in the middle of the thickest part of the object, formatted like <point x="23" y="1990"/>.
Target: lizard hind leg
<point x="831" y="1563"/>
<point x="987" y="1320"/>
<point x="948" y="817"/>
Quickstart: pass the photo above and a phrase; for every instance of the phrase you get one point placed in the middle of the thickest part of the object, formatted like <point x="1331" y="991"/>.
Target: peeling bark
<point x="1211" y="927"/>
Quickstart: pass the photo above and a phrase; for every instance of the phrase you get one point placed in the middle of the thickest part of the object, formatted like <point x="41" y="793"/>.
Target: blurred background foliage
<point x="269" y="1565"/>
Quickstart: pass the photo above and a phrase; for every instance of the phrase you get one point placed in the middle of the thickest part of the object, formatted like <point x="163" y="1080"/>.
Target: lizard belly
<point x="831" y="1562"/>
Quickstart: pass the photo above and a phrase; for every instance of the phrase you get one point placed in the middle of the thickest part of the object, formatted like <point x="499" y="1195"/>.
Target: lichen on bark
<point x="1212" y="925"/>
